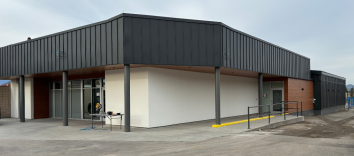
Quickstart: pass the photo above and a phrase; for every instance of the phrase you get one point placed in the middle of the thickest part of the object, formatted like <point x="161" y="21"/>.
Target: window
<point x="58" y="85"/>
<point x="96" y="83"/>
<point x="87" y="83"/>
<point x="76" y="84"/>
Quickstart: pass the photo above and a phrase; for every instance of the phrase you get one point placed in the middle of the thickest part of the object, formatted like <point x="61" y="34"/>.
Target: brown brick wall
<point x="295" y="92"/>
<point x="5" y="101"/>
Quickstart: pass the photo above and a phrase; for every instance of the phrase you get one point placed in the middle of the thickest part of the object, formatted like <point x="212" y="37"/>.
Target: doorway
<point x="273" y="92"/>
<point x="277" y="96"/>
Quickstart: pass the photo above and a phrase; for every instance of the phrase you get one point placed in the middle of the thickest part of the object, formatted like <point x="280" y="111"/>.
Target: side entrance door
<point x="277" y="97"/>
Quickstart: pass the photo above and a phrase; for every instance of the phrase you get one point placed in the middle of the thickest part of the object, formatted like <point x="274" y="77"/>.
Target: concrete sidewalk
<point x="52" y="129"/>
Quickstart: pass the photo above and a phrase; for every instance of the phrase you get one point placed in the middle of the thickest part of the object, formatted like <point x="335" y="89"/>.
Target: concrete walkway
<point x="52" y="129"/>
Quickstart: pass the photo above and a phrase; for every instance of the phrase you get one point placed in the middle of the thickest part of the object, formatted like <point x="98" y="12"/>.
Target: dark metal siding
<point x="151" y="40"/>
<point x="169" y="42"/>
<point x="86" y="47"/>
<point x="329" y="91"/>
<point x="241" y="51"/>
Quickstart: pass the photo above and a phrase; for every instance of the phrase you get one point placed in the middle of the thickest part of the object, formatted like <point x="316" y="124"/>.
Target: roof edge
<point x="319" y="72"/>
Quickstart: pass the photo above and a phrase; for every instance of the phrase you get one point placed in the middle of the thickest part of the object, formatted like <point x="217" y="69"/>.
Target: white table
<point x="110" y="117"/>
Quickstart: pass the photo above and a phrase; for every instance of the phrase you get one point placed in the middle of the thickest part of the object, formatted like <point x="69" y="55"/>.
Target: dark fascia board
<point x="243" y="33"/>
<point x="319" y="72"/>
<point x="159" y="18"/>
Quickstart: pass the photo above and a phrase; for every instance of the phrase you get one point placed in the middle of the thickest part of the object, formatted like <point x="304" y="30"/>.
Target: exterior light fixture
<point x="302" y="89"/>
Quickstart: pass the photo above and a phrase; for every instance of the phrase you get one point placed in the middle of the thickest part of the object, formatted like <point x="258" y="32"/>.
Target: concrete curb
<point x="280" y="123"/>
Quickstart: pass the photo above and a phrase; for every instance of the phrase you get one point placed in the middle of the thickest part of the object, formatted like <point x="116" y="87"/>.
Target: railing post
<point x="269" y="114"/>
<point x="301" y="108"/>
<point x="297" y="109"/>
<point x="248" y="117"/>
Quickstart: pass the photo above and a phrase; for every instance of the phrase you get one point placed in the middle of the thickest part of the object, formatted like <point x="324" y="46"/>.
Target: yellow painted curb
<point x="285" y="113"/>
<point x="241" y="121"/>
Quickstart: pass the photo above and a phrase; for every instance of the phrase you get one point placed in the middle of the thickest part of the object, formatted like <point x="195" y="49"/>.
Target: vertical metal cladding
<point x="171" y="42"/>
<point x="244" y="52"/>
<point x="329" y="90"/>
<point x="151" y="40"/>
<point x="84" y="47"/>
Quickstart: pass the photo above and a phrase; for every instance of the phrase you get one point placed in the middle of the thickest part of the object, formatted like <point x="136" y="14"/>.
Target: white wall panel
<point x="138" y="92"/>
<point x="14" y="99"/>
<point x="161" y="97"/>
<point x="29" y="98"/>
<point x="182" y="96"/>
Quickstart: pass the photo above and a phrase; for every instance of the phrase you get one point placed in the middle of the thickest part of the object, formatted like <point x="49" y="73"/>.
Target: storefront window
<point x="76" y="84"/>
<point x="83" y="96"/>
<point x="87" y="83"/>
<point x="96" y="83"/>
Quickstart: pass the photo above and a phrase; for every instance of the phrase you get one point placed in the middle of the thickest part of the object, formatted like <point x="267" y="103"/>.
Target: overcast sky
<point x="322" y="30"/>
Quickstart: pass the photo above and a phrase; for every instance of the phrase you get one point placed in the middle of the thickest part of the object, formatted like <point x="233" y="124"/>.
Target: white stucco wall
<point x="14" y="99"/>
<point x="182" y="96"/>
<point x="138" y="91"/>
<point x="28" y="98"/>
<point x="161" y="97"/>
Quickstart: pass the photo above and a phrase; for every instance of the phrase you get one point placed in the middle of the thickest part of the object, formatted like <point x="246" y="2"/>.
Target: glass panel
<point x="76" y="84"/>
<point x="58" y="103"/>
<point x="266" y="96"/>
<point x="277" y="84"/>
<point x="58" y="85"/>
<point x="96" y="101"/>
<point x="87" y="83"/>
<point x="96" y="83"/>
<point x="69" y="84"/>
<point x="51" y="102"/>
<point x="69" y="103"/>
<point x="76" y="103"/>
<point x="87" y="104"/>
<point x="103" y="82"/>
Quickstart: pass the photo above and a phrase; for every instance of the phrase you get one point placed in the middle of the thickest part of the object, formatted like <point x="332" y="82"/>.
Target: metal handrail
<point x="283" y="109"/>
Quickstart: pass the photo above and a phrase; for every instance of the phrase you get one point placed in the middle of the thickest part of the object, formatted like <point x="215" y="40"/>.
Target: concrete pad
<point x="52" y="129"/>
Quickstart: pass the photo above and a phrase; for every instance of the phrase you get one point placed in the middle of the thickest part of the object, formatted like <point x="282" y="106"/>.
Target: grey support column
<point x="22" y="98"/>
<point x="217" y="95"/>
<point x="260" y="93"/>
<point x="126" y="98"/>
<point x="65" y="98"/>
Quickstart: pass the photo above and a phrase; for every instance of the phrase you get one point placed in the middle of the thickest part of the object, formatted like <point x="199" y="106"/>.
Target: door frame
<point x="271" y="97"/>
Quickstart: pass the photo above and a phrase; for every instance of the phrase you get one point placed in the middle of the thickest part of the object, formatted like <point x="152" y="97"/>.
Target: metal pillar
<point x="260" y="93"/>
<point x="22" y="98"/>
<point x="127" y="97"/>
<point x="217" y="95"/>
<point x="65" y="98"/>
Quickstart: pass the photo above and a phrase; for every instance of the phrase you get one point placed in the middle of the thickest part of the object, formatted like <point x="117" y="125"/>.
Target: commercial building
<point x="157" y="71"/>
